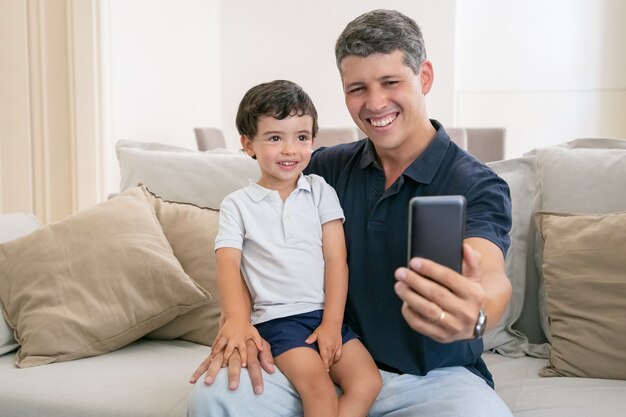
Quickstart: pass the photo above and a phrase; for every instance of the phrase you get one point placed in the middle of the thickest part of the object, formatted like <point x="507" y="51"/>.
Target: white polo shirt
<point x="281" y="243"/>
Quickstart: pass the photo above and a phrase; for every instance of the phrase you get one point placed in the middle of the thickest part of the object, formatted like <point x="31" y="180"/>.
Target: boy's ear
<point x="246" y="144"/>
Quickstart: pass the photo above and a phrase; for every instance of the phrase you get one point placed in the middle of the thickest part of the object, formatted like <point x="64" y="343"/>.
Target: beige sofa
<point x="567" y="315"/>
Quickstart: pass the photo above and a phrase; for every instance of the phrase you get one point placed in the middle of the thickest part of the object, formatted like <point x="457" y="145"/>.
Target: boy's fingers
<point x="218" y="346"/>
<point x="258" y="341"/>
<point x="311" y="339"/>
<point x="337" y="355"/>
<point x="243" y="354"/>
<point x="228" y="352"/>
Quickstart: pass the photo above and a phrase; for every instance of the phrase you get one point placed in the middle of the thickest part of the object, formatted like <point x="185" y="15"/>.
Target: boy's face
<point x="385" y="97"/>
<point x="282" y="148"/>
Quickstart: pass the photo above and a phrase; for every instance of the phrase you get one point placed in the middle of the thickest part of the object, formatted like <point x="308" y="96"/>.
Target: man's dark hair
<point x="382" y="31"/>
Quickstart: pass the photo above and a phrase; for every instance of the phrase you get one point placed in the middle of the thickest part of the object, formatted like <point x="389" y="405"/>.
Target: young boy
<point x="281" y="253"/>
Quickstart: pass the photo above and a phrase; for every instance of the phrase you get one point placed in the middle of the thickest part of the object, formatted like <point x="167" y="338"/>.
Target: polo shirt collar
<point x="425" y="166"/>
<point x="258" y="193"/>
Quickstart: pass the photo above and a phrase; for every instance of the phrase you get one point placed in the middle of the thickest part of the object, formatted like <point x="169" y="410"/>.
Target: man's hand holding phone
<point x="441" y="287"/>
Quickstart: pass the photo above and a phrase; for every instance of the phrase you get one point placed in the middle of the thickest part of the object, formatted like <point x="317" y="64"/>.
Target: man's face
<point x="385" y="98"/>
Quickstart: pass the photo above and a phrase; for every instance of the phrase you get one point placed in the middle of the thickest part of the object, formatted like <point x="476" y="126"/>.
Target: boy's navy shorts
<point x="285" y="333"/>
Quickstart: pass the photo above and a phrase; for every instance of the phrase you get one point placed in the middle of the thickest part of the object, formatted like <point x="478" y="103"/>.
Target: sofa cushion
<point x="12" y="226"/>
<point x="92" y="283"/>
<point x="519" y="173"/>
<point x="191" y="231"/>
<point x="147" y="378"/>
<point x="200" y="178"/>
<point x="580" y="176"/>
<point x="584" y="262"/>
<point x="527" y="394"/>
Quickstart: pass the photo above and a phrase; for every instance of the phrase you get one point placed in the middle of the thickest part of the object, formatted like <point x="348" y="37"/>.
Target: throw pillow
<point x="92" y="283"/>
<point x="519" y="173"/>
<point x="12" y="226"/>
<point x="200" y="178"/>
<point x="581" y="176"/>
<point x="584" y="262"/>
<point x="191" y="232"/>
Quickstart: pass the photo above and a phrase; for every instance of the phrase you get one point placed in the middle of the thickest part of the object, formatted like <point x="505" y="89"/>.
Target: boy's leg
<point x="279" y="397"/>
<point x="442" y="392"/>
<point x="357" y="375"/>
<point x="306" y="371"/>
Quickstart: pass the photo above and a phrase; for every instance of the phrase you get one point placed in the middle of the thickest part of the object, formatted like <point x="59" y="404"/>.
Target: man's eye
<point x="390" y="83"/>
<point x="355" y="90"/>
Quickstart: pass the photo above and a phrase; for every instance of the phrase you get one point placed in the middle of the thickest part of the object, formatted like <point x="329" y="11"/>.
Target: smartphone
<point x="436" y="229"/>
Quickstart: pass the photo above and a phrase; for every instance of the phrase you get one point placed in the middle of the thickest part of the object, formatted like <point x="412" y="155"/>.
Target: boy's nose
<point x="288" y="148"/>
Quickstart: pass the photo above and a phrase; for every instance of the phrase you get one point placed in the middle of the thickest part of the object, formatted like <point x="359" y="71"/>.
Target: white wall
<point x="547" y="71"/>
<point x="162" y="72"/>
<point x="295" y="40"/>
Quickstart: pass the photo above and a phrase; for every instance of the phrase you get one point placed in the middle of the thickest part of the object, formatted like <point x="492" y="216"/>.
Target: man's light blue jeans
<point x="443" y="392"/>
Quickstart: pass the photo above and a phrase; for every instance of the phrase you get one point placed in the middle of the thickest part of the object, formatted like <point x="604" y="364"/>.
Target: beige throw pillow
<point x="191" y="232"/>
<point x="93" y="282"/>
<point x="584" y="269"/>
<point x="580" y="176"/>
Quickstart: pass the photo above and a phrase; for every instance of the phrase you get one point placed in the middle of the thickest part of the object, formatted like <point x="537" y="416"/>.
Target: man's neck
<point x="395" y="161"/>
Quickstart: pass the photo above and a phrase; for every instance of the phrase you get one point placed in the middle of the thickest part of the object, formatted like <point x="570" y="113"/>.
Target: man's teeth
<point x="383" y="122"/>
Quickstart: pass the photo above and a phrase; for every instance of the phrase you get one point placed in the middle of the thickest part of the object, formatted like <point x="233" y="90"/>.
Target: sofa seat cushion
<point x="529" y="395"/>
<point x="144" y="379"/>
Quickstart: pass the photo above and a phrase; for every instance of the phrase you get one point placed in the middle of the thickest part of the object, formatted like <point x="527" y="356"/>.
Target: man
<point x="423" y="328"/>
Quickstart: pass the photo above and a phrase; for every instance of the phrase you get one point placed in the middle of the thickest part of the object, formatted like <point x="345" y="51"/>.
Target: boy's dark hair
<point x="382" y="31"/>
<point x="278" y="99"/>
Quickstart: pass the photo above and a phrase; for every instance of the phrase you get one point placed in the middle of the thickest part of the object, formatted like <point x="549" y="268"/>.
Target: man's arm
<point x="444" y="305"/>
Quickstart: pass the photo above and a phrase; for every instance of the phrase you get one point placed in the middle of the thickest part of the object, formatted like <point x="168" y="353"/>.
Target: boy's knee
<point x="370" y="387"/>
<point x="365" y="387"/>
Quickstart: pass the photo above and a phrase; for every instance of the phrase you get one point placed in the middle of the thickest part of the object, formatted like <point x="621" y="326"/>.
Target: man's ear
<point x="427" y="76"/>
<point x="246" y="144"/>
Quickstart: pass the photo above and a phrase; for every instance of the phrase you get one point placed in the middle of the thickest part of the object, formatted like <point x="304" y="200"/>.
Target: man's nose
<point x="376" y="100"/>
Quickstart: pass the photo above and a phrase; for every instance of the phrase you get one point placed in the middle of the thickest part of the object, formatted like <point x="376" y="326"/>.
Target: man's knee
<point x="216" y="400"/>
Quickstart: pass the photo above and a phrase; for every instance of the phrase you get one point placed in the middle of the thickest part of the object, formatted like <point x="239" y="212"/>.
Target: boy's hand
<point x="329" y="342"/>
<point x="234" y="335"/>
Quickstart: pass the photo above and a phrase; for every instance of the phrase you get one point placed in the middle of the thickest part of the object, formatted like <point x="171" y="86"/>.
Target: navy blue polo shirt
<point x="376" y="237"/>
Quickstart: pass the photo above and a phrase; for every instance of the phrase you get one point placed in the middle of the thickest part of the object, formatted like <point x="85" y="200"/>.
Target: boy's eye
<point x="303" y="138"/>
<point x="274" y="138"/>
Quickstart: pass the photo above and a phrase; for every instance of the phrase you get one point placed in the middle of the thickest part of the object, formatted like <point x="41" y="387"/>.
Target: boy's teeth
<point x="382" y="122"/>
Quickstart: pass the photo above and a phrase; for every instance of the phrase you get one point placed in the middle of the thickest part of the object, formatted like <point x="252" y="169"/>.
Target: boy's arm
<point x="328" y="334"/>
<point x="235" y="302"/>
